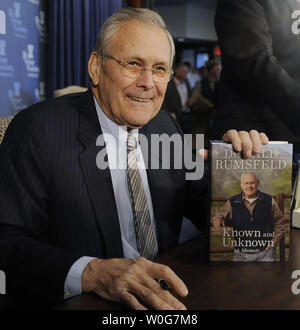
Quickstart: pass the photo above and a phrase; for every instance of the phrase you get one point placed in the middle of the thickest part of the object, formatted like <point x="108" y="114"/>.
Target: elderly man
<point x="256" y="213"/>
<point x="68" y="226"/>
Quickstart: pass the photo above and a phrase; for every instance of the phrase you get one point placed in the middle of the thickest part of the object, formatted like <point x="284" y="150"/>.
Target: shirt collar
<point x="178" y="82"/>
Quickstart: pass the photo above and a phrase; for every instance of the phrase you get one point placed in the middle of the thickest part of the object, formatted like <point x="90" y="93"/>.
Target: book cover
<point x="250" y="203"/>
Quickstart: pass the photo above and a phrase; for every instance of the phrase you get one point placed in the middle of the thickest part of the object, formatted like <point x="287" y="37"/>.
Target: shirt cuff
<point x="73" y="279"/>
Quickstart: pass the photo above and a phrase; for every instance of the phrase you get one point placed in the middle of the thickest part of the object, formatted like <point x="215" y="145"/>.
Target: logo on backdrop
<point x="20" y="31"/>
<point x="30" y="62"/>
<point x="40" y="22"/>
<point x="35" y="2"/>
<point x="16" y="99"/>
<point x="6" y="69"/>
<point x="2" y="22"/>
<point x="2" y="282"/>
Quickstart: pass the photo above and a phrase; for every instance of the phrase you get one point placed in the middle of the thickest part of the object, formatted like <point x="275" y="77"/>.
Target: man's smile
<point x="140" y="99"/>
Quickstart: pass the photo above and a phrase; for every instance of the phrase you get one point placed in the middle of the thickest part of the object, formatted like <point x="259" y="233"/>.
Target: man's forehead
<point x="130" y="38"/>
<point x="248" y="177"/>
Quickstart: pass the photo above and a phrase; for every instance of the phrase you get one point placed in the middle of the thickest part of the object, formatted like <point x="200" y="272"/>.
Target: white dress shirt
<point x="182" y="90"/>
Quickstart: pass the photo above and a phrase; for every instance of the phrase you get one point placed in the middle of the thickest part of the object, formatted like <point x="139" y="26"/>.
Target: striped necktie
<point x="145" y="238"/>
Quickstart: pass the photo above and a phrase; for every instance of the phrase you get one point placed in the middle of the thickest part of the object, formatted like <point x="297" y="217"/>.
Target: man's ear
<point x="94" y="67"/>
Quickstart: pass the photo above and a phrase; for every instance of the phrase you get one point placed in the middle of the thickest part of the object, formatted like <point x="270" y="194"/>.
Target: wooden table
<point x="220" y="285"/>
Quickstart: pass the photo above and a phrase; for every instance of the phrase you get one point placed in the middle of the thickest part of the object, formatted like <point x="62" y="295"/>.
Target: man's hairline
<point x="110" y="40"/>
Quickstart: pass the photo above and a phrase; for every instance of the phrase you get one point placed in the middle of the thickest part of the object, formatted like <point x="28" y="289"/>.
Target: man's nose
<point x="145" y="80"/>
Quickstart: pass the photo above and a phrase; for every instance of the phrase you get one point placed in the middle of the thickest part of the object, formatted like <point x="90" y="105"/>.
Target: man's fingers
<point x="149" y="291"/>
<point x="232" y="136"/>
<point x="157" y="298"/>
<point x="264" y="139"/>
<point x="203" y="153"/>
<point x="128" y="299"/>
<point x="132" y="281"/>
<point x="246" y="142"/>
<point x="174" y="282"/>
<point x="256" y="141"/>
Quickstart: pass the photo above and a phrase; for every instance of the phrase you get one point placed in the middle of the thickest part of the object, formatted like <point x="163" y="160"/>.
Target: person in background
<point x="193" y="75"/>
<point x="204" y="99"/>
<point x="176" y="97"/>
<point x="260" y="80"/>
<point x="209" y="84"/>
<point x="203" y="72"/>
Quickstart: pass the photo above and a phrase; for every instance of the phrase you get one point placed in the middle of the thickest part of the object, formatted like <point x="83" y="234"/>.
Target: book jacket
<point x="250" y="203"/>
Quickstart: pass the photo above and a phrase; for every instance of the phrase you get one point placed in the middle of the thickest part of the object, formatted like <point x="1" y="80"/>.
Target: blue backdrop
<point x="23" y="38"/>
<point x="45" y="45"/>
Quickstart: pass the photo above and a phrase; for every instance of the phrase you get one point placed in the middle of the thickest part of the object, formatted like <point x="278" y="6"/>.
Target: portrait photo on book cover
<point x="250" y="203"/>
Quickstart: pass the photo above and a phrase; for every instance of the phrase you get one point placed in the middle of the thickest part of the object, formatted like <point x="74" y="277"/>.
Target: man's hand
<point x="133" y="281"/>
<point x="203" y="153"/>
<point x="218" y="223"/>
<point x="247" y="142"/>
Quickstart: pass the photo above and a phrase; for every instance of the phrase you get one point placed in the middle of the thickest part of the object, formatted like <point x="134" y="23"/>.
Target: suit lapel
<point x="99" y="184"/>
<point x="294" y="4"/>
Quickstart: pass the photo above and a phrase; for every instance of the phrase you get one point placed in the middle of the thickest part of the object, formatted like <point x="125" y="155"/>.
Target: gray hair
<point x="142" y="15"/>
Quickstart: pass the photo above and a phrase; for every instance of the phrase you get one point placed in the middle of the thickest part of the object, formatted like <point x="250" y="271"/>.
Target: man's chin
<point x="136" y="125"/>
<point x="138" y="122"/>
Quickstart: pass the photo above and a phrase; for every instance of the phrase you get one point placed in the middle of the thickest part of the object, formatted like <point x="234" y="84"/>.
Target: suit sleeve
<point x="35" y="269"/>
<point x="249" y="60"/>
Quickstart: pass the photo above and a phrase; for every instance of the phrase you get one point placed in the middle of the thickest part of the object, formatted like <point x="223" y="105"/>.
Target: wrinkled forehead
<point x="139" y="39"/>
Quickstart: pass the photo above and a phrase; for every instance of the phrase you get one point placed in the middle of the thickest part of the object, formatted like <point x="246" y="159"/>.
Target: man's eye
<point x="160" y="69"/>
<point x="132" y="63"/>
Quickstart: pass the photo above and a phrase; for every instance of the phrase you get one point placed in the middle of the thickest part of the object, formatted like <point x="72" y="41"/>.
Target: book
<point x="250" y="203"/>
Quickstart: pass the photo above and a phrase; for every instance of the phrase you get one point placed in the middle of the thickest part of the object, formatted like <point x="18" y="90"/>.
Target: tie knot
<point x="131" y="141"/>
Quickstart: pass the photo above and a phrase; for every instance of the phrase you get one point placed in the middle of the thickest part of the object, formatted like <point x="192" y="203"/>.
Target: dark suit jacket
<point x="57" y="206"/>
<point x="260" y="81"/>
<point x="207" y="91"/>
<point x="172" y="101"/>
